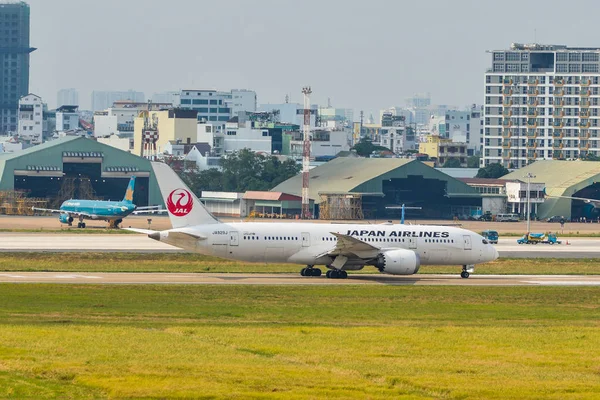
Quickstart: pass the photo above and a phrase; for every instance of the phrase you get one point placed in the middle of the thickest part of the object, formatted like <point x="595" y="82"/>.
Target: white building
<point x="121" y="143"/>
<point x="242" y="100"/>
<point x="67" y="97"/>
<point x="203" y="157"/>
<point x="516" y="193"/>
<point x="465" y="127"/>
<point x="292" y="113"/>
<point x="67" y="118"/>
<point x="225" y="204"/>
<point x="541" y="102"/>
<point x="119" y="118"/>
<point x="324" y="143"/>
<point x="31" y="118"/>
<point x="101" y="100"/>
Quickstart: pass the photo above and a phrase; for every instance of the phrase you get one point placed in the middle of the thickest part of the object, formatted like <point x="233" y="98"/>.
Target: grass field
<point x="88" y="341"/>
<point x="187" y="262"/>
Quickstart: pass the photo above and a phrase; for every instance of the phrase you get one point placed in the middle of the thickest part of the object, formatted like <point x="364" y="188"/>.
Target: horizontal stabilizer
<point x="144" y="231"/>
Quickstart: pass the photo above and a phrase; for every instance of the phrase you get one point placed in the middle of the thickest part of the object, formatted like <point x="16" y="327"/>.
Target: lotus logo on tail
<point x="180" y="202"/>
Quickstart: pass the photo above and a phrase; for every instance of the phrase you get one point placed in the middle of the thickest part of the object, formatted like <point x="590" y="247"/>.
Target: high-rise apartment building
<point x="67" y="97"/>
<point x="14" y="61"/>
<point x="542" y="102"/>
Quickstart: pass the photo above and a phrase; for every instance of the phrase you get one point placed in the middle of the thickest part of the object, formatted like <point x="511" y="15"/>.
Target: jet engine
<point x="398" y="262"/>
<point x="65" y="219"/>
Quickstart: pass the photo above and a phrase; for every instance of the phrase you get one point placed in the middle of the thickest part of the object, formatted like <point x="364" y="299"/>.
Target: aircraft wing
<point x="593" y="201"/>
<point x="351" y="248"/>
<point x="75" y="213"/>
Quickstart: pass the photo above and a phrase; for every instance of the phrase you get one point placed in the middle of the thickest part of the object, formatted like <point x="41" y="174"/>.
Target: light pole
<point x="529" y="176"/>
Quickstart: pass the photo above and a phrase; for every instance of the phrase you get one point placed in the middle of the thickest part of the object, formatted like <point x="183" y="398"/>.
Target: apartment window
<point x="561" y="68"/>
<point x="199" y="101"/>
<point x="512" y="67"/>
<point x="498" y="67"/>
<point x="590" y="57"/>
<point x="232" y="133"/>
<point x="488" y="79"/>
<point x="224" y="110"/>
<point x="186" y="101"/>
<point x="201" y="109"/>
<point x="591" y="68"/>
<point x="574" y="67"/>
<point x="574" y="57"/>
<point x="562" y="57"/>
<point x="498" y="56"/>
<point x="511" y="56"/>
<point x="214" y="102"/>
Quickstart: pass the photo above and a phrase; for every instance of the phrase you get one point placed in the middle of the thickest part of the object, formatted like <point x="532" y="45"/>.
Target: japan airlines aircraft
<point x="111" y="211"/>
<point x="393" y="249"/>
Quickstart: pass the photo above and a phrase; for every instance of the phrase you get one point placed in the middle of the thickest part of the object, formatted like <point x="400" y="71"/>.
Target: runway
<point x="294" y="279"/>
<point x="26" y="242"/>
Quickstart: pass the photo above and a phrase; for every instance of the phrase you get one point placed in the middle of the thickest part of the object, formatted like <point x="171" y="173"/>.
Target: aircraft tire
<point x="83" y="224"/>
<point x="343" y="275"/>
<point x="303" y="272"/>
<point x="464" y="274"/>
<point x="316" y="272"/>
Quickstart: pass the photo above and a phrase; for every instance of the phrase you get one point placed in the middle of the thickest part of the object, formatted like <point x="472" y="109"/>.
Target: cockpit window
<point x="484" y="241"/>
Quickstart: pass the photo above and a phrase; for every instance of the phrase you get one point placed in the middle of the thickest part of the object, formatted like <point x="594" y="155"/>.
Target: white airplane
<point x="393" y="249"/>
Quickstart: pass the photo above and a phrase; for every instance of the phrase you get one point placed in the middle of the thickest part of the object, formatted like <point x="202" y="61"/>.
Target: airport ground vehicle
<point x="491" y="236"/>
<point x="507" y="218"/>
<point x="535" y="238"/>
<point x="556" y="218"/>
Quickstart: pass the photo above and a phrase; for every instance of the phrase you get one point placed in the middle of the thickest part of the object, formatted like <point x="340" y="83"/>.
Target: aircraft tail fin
<point x="129" y="192"/>
<point x="183" y="206"/>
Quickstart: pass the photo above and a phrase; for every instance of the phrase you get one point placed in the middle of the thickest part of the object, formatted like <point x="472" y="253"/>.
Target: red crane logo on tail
<point x="180" y="202"/>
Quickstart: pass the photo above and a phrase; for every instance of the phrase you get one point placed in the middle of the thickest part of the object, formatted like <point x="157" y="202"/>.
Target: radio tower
<point x="306" y="154"/>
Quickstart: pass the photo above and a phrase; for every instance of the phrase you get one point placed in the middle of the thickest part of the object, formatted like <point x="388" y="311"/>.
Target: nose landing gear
<point x="466" y="271"/>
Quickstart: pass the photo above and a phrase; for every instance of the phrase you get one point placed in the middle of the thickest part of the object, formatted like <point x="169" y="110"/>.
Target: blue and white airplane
<point x="111" y="211"/>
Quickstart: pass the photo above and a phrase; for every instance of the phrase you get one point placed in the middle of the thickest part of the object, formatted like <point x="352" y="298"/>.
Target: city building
<point x="394" y="135"/>
<point x="118" y="119"/>
<point x="101" y="100"/>
<point x="14" y="61"/>
<point x="291" y="113"/>
<point x="218" y="107"/>
<point x="541" y="103"/>
<point x="152" y="130"/>
<point x="324" y="143"/>
<point x="441" y="150"/>
<point x="464" y="127"/>
<point x="167" y="97"/>
<point x="242" y="100"/>
<point x="67" y="118"/>
<point x="67" y="97"/>
<point x="31" y="118"/>
<point x="332" y="117"/>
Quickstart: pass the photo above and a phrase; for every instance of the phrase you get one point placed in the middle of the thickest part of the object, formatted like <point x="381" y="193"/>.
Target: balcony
<point x="586" y="82"/>
<point x="507" y="103"/>
<point x="533" y="82"/>
<point x="557" y="145"/>
<point x="558" y="113"/>
<point x="507" y="82"/>
<point x="585" y="93"/>
<point x="584" y="114"/>
<point x="584" y="124"/>
<point x="532" y="113"/>
<point x="559" y="82"/>
<point x="507" y="112"/>
<point x="531" y="123"/>
<point x="506" y="144"/>
<point x="507" y="92"/>
<point x="559" y="93"/>
<point x="533" y="93"/>
<point x="584" y="104"/>
<point x="506" y="122"/>
<point x="558" y="102"/>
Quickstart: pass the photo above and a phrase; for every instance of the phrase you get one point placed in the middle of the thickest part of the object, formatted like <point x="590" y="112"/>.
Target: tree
<point x="493" y="171"/>
<point x="473" y="162"/>
<point x="241" y="171"/>
<point x="452" y="163"/>
<point x="365" y="148"/>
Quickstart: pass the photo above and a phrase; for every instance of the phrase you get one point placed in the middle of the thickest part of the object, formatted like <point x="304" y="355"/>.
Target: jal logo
<point x="179" y="202"/>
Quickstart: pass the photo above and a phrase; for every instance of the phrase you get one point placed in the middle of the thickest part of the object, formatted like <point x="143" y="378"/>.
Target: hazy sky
<point x="362" y="54"/>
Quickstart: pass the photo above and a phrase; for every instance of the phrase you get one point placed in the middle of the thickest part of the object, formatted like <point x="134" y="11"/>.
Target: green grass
<point x="93" y="341"/>
<point x="189" y="262"/>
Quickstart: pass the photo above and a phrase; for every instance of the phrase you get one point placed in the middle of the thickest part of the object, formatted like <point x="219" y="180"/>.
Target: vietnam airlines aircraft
<point x="393" y="249"/>
<point x="111" y="211"/>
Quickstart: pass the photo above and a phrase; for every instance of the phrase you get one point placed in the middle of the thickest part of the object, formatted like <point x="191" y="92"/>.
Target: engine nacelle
<point x="398" y="262"/>
<point x="65" y="218"/>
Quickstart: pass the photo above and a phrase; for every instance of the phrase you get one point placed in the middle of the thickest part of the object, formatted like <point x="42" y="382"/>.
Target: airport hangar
<point x="78" y="167"/>
<point x="351" y="188"/>
<point x="564" y="178"/>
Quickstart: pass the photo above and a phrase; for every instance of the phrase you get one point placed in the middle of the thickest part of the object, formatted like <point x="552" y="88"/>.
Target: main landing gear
<point x="466" y="271"/>
<point x="81" y="224"/>
<point x="336" y="274"/>
<point x="310" y="271"/>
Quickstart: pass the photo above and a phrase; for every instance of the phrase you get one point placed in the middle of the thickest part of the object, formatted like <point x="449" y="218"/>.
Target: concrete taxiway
<point x="294" y="279"/>
<point x="24" y="242"/>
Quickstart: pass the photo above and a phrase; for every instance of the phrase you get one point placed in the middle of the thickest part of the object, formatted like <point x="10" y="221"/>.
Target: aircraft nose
<point x="495" y="254"/>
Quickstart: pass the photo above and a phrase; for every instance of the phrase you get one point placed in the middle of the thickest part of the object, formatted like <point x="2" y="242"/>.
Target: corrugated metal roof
<point x="39" y="147"/>
<point x="561" y="177"/>
<point x="255" y="195"/>
<point x="343" y="175"/>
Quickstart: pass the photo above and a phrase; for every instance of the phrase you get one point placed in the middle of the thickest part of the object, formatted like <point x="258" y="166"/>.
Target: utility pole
<point x="306" y="214"/>
<point x="529" y="176"/>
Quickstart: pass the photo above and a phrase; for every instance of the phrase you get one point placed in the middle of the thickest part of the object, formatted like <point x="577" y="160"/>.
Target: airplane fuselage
<point x="99" y="209"/>
<point x="309" y="243"/>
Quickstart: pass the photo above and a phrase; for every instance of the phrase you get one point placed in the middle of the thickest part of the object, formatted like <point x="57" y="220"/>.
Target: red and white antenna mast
<point x="306" y="214"/>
